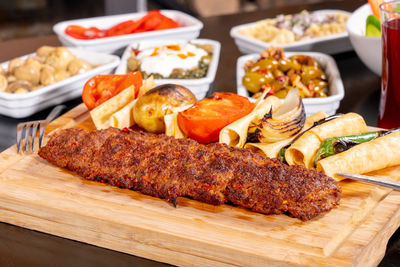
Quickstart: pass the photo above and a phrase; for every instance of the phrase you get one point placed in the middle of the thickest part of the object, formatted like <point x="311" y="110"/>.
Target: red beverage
<point x="389" y="107"/>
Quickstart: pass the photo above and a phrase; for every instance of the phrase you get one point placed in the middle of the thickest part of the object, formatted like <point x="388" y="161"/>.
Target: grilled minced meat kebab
<point x="165" y="167"/>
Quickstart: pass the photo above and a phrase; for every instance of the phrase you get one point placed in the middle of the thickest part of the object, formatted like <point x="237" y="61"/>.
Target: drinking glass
<point x="389" y="106"/>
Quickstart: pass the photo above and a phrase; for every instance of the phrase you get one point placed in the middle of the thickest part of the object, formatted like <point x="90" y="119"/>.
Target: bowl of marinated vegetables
<point x="109" y="34"/>
<point x="192" y="64"/>
<point x="48" y="77"/>
<point x="315" y="75"/>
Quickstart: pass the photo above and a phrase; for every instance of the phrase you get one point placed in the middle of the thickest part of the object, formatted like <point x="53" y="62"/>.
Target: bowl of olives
<point x="315" y="75"/>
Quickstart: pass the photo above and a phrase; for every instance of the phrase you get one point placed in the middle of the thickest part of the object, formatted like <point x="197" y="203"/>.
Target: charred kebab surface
<point x="169" y="168"/>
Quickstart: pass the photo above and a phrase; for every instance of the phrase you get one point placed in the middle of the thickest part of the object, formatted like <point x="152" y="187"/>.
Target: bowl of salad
<point x="364" y="31"/>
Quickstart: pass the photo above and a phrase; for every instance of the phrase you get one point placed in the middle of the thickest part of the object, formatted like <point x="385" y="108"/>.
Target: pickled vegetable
<point x="274" y="69"/>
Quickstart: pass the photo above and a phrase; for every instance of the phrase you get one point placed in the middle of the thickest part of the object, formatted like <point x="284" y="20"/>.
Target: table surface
<point x="23" y="247"/>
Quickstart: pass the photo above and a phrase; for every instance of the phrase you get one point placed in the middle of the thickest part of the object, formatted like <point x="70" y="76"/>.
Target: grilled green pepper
<point x="335" y="145"/>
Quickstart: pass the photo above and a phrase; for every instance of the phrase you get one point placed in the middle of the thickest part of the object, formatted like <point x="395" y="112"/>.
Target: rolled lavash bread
<point x="272" y="149"/>
<point x="377" y="154"/>
<point x="171" y="122"/>
<point x="235" y="134"/>
<point x="303" y="150"/>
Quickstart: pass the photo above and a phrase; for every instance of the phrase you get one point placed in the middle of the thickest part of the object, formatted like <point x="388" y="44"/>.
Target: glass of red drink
<point x="389" y="106"/>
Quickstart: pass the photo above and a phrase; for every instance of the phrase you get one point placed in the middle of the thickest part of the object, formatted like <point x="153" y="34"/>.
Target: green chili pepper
<point x="281" y="154"/>
<point x="335" y="145"/>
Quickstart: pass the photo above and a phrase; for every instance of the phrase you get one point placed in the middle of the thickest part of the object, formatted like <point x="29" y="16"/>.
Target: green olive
<point x="284" y="64"/>
<point x="281" y="93"/>
<point x="310" y="73"/>
<point x="253" y="81"/>
<point x="268" y="63"/>
<point x="280" y="83"/>
<point x="269" y="77"/>
<point x="278" y="73"/>
<point x="295" y="65"/>
<point x="320" y="88"/>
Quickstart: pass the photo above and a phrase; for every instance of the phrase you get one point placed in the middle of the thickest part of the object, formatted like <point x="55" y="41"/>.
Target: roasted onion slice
<point x="287" y="121"/>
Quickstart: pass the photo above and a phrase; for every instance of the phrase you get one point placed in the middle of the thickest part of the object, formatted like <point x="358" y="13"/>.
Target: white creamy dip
<point x="164" y="59"/>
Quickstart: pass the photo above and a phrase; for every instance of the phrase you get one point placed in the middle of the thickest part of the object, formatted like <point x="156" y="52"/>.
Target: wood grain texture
<point x="37" y="195"/>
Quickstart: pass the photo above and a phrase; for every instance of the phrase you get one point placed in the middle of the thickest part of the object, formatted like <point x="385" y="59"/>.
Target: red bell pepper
<point x="152" y="21"/>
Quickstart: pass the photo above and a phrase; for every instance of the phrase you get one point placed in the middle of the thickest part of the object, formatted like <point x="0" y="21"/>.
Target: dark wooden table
<point x="23" y="247"/>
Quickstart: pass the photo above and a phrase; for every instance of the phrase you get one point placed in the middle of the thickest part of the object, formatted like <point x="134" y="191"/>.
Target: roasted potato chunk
<point x="150" y="108"/>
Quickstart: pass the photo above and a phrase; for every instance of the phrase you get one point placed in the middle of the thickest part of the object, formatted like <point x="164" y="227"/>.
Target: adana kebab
<point x="165" y="167"/>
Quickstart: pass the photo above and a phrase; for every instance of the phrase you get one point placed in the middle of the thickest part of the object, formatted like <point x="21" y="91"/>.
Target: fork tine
<point x="34" y="130"/>
<point x="20" y="127"/>
<point x="43" y="125"/>
<point x="27" y="135"/>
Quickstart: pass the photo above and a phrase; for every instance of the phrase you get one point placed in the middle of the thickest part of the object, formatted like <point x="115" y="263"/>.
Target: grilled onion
<point x="287" y="121"/>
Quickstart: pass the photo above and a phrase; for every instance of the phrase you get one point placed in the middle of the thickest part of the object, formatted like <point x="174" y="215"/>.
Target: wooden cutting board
<point x="37" y="195"/>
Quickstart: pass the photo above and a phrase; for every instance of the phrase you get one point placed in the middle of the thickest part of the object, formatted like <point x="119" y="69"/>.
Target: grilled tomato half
<point x="205" y="119"/>
<point x="100" y="88"/>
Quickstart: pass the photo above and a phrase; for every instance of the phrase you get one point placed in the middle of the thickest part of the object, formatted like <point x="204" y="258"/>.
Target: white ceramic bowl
<point x="330" y="44"/>
<point x="312" y="105"/>
<point x="190" y="29"/>
<point x="200" y="86"/>
<point x="24" y="105"/>
<point x="368" y="48"/>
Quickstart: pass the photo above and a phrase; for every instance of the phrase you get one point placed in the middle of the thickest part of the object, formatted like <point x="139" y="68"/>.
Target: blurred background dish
<point x="25" y="104"/>
<point x="189" y="29"/>
<point x="199" y="86"/>
<point x="330" y="44"/>
<point x="327" y="104"/>
<point x="368" y="48"/>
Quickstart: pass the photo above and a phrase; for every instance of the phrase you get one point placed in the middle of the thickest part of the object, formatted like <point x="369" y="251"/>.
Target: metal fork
<point x="26" y="131"/>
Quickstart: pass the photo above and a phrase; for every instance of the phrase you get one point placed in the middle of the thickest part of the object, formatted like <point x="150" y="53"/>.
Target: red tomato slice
<point x="148" y="22"/>
<point x="80" y="32"/>
<point x="100" y="88"/>
<point x="152" y="23"/>
<point x="153" y="20"/>
<point x="204" y="120"/>
<point x="124" y="27"/>
<point x="167" y="23"/>
<point x="75" y="31"/>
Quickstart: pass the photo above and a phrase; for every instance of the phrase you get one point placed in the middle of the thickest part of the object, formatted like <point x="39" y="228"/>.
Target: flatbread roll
<point x="101" y="115"/>
<point x="271" y="150"/>
<point x="117" y="111"/>
<point x="303" y="150"/>
<point x="123" y="118"/>
<point x="377" y="154"/>
<point x="235" y="134"/>
<point x="171" y="123"/>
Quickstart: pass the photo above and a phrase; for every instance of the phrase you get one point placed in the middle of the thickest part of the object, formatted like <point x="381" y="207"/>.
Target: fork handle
<point x="54" y="113"/>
